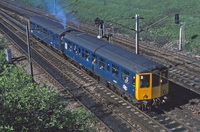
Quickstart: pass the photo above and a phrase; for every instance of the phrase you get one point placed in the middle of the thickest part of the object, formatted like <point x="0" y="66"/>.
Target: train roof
<point x="122" y="57"/>
<point x="128" y="60"/>
<point x="85" y="40"/>
<point x="50" y="25"/>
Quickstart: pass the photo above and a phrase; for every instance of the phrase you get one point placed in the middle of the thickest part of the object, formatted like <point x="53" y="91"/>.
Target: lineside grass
<point x="117" y="11"/>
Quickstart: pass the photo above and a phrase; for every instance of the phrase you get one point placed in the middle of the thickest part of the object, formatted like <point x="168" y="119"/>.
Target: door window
<point x="101" y="64"/>
<point x="115" y="71"/>
<point x="164" y="77"/>
<point x="125" y="76"/>
<point x="144" y="81"/>
<point x="156" y="79"/>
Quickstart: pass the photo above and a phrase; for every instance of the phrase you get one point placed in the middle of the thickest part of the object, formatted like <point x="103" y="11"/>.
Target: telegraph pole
<point x="29" y="51"/>
<point x="180" y="38"/>
<point x="137" y="34"/>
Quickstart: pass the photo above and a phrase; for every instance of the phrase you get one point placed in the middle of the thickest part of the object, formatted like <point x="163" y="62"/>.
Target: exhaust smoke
<point x="62" y="15"/>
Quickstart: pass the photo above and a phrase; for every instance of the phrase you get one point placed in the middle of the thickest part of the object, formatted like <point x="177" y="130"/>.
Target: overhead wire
<point x="112" y="20"/>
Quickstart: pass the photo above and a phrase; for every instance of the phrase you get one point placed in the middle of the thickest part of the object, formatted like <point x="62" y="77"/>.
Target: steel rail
<point x="181" y="122"/>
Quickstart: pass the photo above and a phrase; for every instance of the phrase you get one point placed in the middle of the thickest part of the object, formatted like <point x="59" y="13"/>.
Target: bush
<point x="2" y="42"/>
<point x="25" y="106"/>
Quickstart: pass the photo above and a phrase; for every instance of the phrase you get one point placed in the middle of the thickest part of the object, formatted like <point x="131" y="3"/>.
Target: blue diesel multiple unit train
<point x="132" y="76"/>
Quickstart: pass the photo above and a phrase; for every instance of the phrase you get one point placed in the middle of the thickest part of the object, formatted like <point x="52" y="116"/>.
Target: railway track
<point x="123" y="103"/>
<point x="86" y="86"/>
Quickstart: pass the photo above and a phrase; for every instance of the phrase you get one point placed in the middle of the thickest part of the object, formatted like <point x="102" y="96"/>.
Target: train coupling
<point x="159" y="101"/>
<point x="164" y="100"/>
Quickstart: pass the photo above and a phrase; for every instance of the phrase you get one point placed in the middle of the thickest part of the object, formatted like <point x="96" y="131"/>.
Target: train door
<point x="156" y="87"/>
<point x="62" y="43"/>
<point x="54" y="40"/>
<point x="125" y="80"/>
<point x="94" y="62"/>
<point x="68" y="48"/>
<point x="75" y="52"/>
<point x="57" y="42"/>
<point x="164" y="83"/>
<point x="114" y="74"/>
<point x="86" y="58"/>
<point x="133" y="84"/>
<point x="143" y="86"/>
<point x="108" y="70"/>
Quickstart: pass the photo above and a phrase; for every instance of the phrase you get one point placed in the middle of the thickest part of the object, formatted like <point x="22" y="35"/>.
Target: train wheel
<point x="143" y="107"/>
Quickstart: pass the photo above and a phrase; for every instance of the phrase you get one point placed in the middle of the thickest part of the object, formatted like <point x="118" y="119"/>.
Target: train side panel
<point x="46" y="35"/>
<point x="78" y="53"/>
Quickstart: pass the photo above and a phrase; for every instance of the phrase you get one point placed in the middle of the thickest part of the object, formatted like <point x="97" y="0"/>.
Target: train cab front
<point x="152" y="88"/>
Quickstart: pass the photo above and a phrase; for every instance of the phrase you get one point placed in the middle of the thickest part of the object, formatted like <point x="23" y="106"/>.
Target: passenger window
<point x="79" y="51"/>
<point x="69" y="46"/>
<point x="101" y="64"/>
<point x="38" y="29"/>
<point x="75" y="49"/>
<point x="115" y="71"/>
<point x="62" y="40"/>
<point x="144" y="81"/>
<point x="85" y="55"/>
<point x="164" y="77"/>
<point x="57" y="39"/>
<point x="45" y="32"/>
<point x="94" y="59"/>
<point x="125" y="76"/>
<point x="156" y="79"/>
<point x="108" y="67"/>
<point x="133" y="81"/>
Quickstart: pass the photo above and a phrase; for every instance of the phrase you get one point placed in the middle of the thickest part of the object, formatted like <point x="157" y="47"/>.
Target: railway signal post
<point x="100" y="23"/>
<point x="181" y="35"/>
<point x="177" y="22"/>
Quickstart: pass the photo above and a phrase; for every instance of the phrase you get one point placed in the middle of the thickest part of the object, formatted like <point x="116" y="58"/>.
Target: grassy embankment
<point x="152" y="10"/>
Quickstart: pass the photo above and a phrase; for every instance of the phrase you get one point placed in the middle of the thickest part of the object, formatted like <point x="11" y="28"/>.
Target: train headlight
<point x="164" y="92"/>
